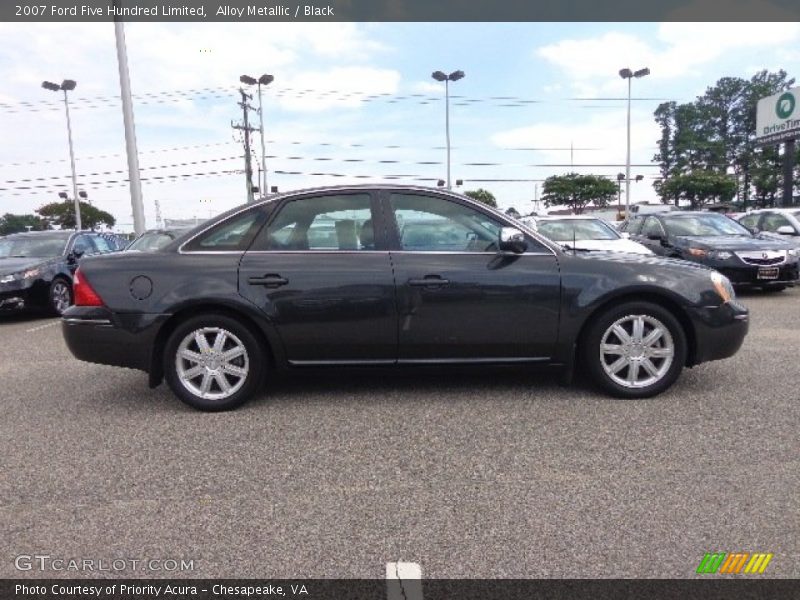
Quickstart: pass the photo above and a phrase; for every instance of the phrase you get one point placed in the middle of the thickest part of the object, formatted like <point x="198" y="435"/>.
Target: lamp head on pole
<point x="68" y="85"/>
<point x="247" y="80"/>
<point x="456" y="75"/>
<point x="266" y="79"/>
<point x="625" y="73"/>
<point x="49" y="85"/>
<point x="642" y="72"/>
<point x="439" y="76"/>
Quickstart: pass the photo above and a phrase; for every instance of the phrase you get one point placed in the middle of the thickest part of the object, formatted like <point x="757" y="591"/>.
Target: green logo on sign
<point x="785" y="106"/>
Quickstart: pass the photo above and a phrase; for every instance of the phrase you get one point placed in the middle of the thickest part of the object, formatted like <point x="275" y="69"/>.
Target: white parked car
<point x="781" y="223"/>
<point x="585" y="233"/>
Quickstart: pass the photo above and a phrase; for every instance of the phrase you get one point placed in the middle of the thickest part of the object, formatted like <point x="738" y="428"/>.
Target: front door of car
<point x="320" y="271"/>
<point x="461" y="299"/>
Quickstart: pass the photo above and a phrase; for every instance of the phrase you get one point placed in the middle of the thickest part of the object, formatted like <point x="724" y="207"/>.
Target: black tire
<point x="667" y="372"/>
<point x="253" y="361"/>
<point x="59" y="296"/>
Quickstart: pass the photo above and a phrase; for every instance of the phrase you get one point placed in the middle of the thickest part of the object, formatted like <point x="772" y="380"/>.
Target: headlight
<point x="6" y="279"/>
<point x="30" y="273"/>
<point x="698" y="252"/>
<point x="720" y="254"/>
<point x="723" y="287"/>
<point x="793" y="253"/>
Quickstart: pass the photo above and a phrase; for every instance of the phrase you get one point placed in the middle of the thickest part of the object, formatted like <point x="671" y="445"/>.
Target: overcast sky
<point x="352" y="99"/>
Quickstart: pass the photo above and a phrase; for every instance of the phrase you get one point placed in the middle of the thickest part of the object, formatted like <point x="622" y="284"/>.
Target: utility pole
<point x="245" y="126"/>
<point x="158" y="213"/>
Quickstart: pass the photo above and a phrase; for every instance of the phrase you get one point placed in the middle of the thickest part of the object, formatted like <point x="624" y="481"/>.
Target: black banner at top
<point x="399" y="10"/>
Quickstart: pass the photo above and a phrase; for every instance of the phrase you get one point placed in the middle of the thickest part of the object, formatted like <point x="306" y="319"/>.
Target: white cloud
<point x="338" y="85"/>
<point x="678" y="49"/>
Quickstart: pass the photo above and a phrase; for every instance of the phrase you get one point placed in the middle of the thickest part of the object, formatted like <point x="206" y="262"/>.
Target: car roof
<point x="790" y="210"/>
<point x="568" y="217"/>
<point x="46" y="233"/>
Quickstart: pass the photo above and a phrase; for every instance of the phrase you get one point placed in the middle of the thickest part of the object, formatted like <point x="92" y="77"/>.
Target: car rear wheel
<point x="635" y="350"/>
<point x="213" y="363"/>
<point x="60" y="296"/>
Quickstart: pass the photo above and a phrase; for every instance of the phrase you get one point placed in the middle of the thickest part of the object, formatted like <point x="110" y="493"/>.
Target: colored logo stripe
<point x="711" y="562"/>
<point x="734" y="562"/>
<point x="758" y="563"/>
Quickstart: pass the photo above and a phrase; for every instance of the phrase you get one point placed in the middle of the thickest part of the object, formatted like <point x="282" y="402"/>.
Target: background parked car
<point x="782" y="223"/>
<point x="719" y="242"/>
<point x="587" y="233"/>
<point x="36" y="268"/>
<point x="155" y="239"/>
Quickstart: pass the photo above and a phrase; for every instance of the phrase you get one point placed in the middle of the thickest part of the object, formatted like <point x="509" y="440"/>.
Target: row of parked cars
<point x="37" y="267"/>
<point x="760" y="250"/>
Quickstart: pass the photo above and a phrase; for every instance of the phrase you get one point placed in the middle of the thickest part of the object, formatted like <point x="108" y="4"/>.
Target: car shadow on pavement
<point x="24" y="315"/>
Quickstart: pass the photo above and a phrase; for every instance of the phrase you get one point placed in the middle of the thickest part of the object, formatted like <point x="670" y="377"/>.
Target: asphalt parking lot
<point x="493" y="473"/>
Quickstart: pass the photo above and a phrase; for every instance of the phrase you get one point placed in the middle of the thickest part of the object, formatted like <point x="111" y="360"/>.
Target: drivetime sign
<point x="778" y="117"/>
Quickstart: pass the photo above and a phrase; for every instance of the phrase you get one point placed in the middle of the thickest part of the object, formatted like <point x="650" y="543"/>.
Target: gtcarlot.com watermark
<point x="45" y="562"/>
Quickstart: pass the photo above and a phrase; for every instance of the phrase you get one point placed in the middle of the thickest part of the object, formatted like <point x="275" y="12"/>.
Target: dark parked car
<point x="353" y="276"/>
<point x="36" y="267"/>
<point x="154" y="239"/>
<point x="719" y="242"/>
<point x="780" y="223"/>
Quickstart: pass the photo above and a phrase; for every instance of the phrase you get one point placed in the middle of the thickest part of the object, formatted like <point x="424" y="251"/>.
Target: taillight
<point x="83" y="292"/>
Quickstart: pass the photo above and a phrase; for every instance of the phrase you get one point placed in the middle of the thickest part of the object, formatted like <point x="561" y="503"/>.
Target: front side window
<point x="749" y="221"/>
<point x="634" y="225"/>
<point x="232" y="234"/>
<point x="652" y="227"/>
<point x="324" y="223"/>
<point x="428" y="224"/>
<point x="83" y="245"/>
<point x="102" y="244"/>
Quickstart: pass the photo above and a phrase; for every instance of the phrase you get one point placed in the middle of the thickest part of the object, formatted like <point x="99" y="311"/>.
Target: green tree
<point x="513" y="212"/>
<point x="15" y="223"/>
<point x="482" y="195"/>
<point x="63" y="215"/>
<point x="700" y="187"/>
<point x="577" y="191"/>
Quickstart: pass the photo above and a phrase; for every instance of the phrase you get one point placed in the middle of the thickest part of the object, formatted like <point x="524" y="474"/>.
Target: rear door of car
<point x="320" y="271"/>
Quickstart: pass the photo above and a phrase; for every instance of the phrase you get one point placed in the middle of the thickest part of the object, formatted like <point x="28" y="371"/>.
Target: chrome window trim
<point x="436" y="192"/>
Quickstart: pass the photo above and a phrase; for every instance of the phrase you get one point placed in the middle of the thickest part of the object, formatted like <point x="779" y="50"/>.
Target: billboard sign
<point x="778" y="117"/>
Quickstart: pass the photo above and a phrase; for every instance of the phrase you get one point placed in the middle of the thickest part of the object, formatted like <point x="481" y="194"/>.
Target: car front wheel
<point x="635" y="350"/>
<point x="60" y="296"/>
<point x="213" y="363"/>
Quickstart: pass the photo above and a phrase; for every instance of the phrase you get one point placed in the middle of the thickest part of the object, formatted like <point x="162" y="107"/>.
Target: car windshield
<point x="36" y="247"/>
<point x="565" y="230"/>
<point x="704" y="224"/>
<point x="151" y="241"/>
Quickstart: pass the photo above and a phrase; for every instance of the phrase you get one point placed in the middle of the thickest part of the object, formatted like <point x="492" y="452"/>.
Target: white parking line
<point x="403" y="581"/>
<point x="45" y="326"/>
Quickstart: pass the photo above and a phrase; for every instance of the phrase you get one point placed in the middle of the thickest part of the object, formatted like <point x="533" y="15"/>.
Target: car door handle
<point x="271" y="281"/>
<point x="431" y="281"/>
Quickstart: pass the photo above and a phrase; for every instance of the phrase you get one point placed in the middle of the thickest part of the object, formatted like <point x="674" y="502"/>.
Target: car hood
<point x="15" y="265"/>
<point x="654" y="260"/>
<point x="735" y="242"/>
<point x="621" y="245"/>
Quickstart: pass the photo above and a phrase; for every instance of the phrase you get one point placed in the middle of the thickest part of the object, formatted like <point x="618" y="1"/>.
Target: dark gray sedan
<point x="391" y="275"/>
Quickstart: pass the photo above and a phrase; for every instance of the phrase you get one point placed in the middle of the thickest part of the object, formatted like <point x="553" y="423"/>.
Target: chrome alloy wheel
<point x="60" y="296"/>
<point x="212" y="363"/>
<point x="636" y="351"/>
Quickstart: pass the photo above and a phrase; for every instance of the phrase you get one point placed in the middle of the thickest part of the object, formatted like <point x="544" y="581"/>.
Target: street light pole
<point x="454" y="76"/>
<point x="67" y="86"/>
<point x="628" y="74"/>
<point x="78" y="224"/>
<point x="265" y="79"/>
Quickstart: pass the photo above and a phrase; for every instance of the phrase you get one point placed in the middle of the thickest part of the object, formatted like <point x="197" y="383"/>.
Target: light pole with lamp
<point x="67" y="86"/>
<point x="629" y="75"/>
<point x="263" y="80"/>
<point x="454" y="76"/>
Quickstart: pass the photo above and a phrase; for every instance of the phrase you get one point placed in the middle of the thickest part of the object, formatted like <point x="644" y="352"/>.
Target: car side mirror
<point x="656" y="237"/>
<point x="75" y="255"/>
<point x="625" y="235"/>
<point x="512" y="240"/>
<point x="786" y="230"/>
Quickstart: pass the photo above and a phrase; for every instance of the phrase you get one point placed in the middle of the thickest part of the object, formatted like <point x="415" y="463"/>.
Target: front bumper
<point x="745" y="275"/>
<point x="96" y="335"/>
<point x="719" y="331"/>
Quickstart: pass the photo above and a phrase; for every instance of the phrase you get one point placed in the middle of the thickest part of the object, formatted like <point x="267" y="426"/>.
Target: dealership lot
<point x="470" y="473"/>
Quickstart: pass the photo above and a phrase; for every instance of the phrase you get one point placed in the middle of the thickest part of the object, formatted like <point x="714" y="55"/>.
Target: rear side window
<point x="634" y="225"/>
<point x="233" y="234"/>
<point x="749" y="221"/>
